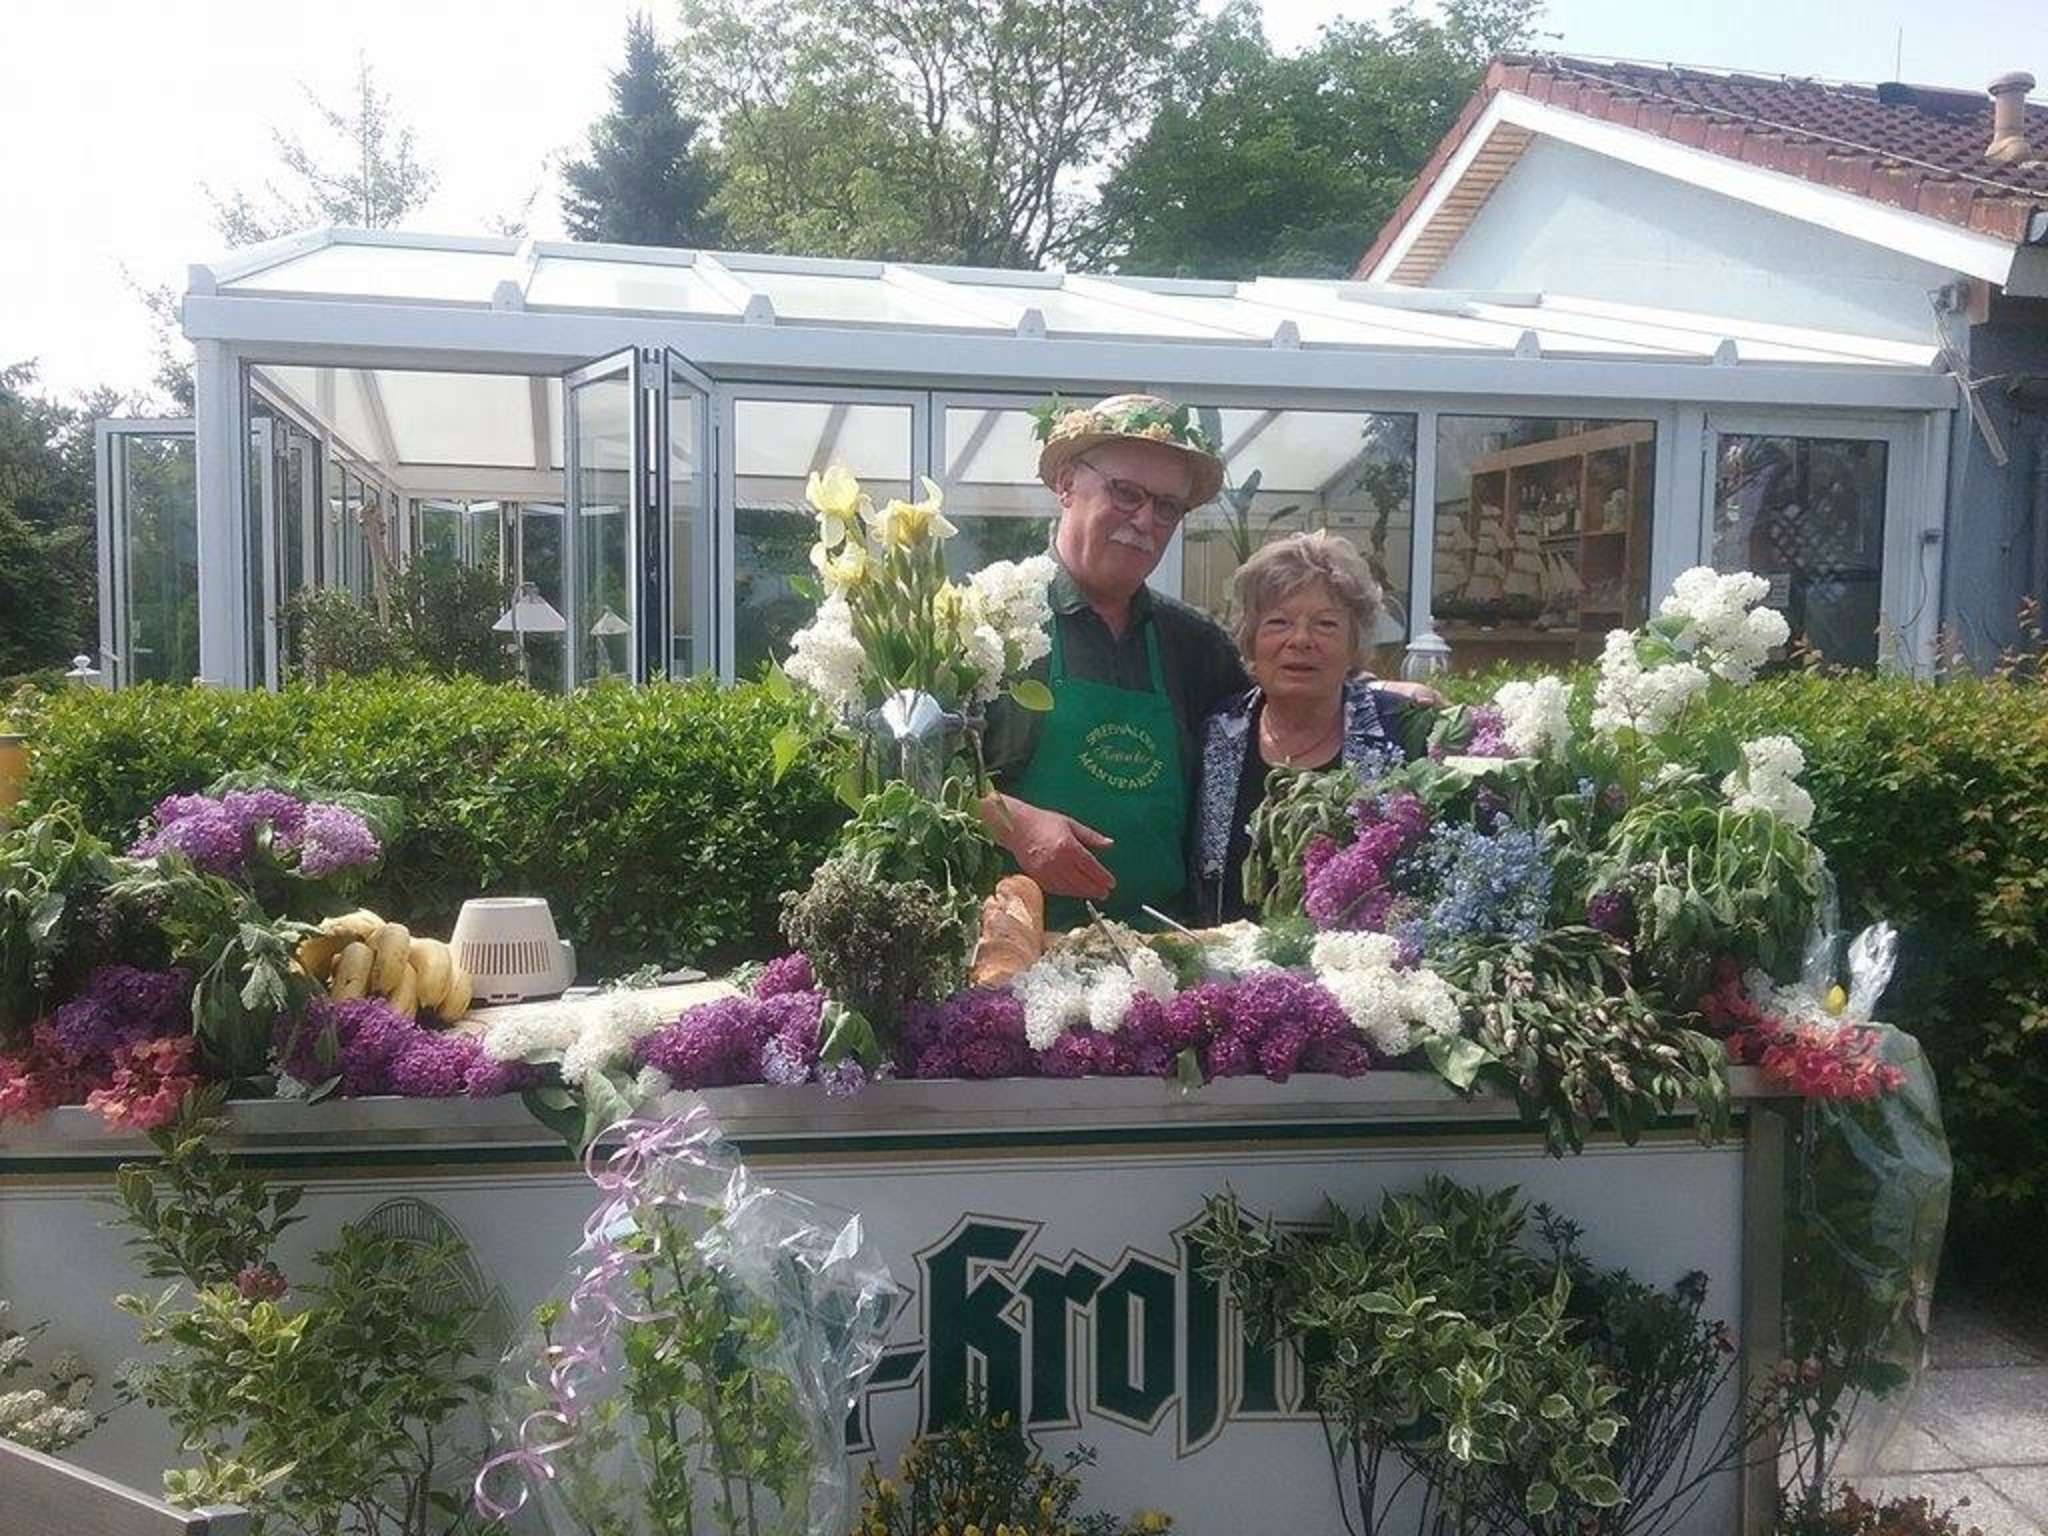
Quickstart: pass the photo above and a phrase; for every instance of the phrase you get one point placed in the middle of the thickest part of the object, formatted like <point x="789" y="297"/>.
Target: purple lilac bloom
<point x="794" y="1019"/>
<point x="1347" y="1056"/>
<point x="714" y="1045"/>
<point x="782" y="1065"/>
<point x="489" y="1078"/>
<point x="365" y="1034"/>
<point x="977" y="1033"/>
<point x="434" y="1065"/>
<point x="1352" y="888"/>
<point x="200" y="829"/>
<point x="1084" y="1053"/>
<point x="1612" y="912"/>
<point x="333" y="837"/>
<point x="120" y="1006"/>
<point x="1489" y="734"/>
<point x="785" y="973"/>
<point x="250" y="808"/>
<point x="844" y="1078"/>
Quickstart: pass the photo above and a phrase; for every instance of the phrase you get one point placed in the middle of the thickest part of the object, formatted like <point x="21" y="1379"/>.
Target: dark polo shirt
<point x="1200" y="663"/>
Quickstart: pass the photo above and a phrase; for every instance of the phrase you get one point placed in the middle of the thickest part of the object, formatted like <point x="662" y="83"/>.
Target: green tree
<point x="365" y="172"/>
<point x="646" y="181"/>
<point x="366" y="175"/>
<point x="48" y="603"/>
<point x="936" y="130"/>
<point x="1263" y="162"/>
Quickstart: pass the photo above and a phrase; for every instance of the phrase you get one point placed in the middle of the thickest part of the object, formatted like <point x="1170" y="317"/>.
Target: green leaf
<point x="1542" y="1498"/>
<point x="1380" y="1304"/>
<point x="776" y="684"/>
<point x="787" y="746"/>
<point x="805" y="588"/>
<point x="1603" y="1430"/>
<point x="846" y="1033"/>
<point x="1555" y="1406"/>
<point x="1597" y="1490"/>
<point x="1187" y="1070"/>
<point x="1029" y="693"/>
<point x="1457" y="1061"/>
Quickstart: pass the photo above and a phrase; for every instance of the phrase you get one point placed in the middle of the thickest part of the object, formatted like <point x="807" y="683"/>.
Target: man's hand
<point x="1415" y="693"/>
<point x="1053" y="849"/>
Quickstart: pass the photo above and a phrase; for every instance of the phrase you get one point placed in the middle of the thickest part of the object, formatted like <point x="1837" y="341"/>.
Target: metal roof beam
<point x="537" y="415"/>
<point x="1025" y="320"/>
<point x="1250" y="434"/>
<point x="750" y="303"/>
<point x="380" y="420"/>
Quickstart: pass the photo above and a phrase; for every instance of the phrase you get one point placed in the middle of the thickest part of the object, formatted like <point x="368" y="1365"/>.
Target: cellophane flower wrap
<point x="1868" y="1174"/>
<point x="694" y="1370"/>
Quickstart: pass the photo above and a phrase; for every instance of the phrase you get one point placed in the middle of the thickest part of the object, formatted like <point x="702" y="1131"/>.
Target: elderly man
<point x="1093" y="796"/>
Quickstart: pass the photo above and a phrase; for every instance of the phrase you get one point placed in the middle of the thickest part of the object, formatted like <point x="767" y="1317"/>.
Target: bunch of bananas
<point x="361" y="955"/>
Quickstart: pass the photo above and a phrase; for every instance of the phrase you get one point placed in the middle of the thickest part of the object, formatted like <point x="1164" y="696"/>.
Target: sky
<point x="118" y="116"/>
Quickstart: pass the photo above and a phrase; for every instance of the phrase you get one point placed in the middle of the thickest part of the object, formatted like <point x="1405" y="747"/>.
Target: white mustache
<point x="1130" y="538"/>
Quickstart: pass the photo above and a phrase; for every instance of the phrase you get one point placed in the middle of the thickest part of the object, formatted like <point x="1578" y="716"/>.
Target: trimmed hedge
<point x="645" y="816"/>
<point x="648" y="818"/>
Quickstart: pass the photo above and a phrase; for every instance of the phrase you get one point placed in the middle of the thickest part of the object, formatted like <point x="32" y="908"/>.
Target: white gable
<point x="1569" y="220"/>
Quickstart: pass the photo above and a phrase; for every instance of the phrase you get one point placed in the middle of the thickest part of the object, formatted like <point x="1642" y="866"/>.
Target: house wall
<point x="1568" y="220"/>
<point x="1997" y="553"/>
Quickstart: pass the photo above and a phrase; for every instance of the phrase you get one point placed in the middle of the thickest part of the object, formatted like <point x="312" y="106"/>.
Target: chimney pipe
<point x="2009" y="118"/>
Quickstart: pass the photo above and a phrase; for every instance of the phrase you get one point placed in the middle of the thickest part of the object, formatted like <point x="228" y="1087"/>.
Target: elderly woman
<point x="1302" y="610"/>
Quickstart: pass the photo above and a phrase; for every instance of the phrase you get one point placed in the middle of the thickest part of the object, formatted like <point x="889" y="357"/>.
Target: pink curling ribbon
<point x="623" y="1178"/>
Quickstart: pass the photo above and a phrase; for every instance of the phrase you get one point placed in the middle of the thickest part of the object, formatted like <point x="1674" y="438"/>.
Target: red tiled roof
<point x="1912" y="147"/>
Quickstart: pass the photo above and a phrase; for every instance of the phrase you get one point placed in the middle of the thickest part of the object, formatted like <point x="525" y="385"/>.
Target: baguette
<point x="1012" y="931"/>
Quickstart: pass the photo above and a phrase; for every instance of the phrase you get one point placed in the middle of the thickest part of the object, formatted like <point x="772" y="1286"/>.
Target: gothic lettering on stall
<point x="1059" y="1342"/>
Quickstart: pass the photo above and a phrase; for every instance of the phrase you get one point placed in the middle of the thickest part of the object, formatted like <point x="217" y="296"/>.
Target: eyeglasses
<point x="1129" y="497"/>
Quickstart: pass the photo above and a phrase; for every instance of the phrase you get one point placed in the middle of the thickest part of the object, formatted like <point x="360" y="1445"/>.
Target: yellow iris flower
<point x="900" y="524"/>
<point x="847" y="566"/>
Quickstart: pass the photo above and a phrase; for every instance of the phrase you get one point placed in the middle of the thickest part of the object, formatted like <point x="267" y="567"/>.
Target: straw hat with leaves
<point x="1069" y="431"/>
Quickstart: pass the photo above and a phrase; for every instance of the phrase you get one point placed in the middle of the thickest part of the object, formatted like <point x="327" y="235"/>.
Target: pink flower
<point x="150" y="1081"/>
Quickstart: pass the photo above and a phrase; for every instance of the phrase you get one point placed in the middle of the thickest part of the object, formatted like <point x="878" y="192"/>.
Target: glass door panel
<point x="149" y="533"/>
<point x="1809" y="514"/>
<point x="776" y="445"/>
<point x="687" y="479"/>
<point x="604" y="450"/>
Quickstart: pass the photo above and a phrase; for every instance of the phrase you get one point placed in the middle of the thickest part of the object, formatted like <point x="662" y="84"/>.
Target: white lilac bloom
<point x="1768" y="781"/>
<point x="1724" y="626"/>
<point x="609" y="1031"/>
<point x="1535" y="718"/>
<point x="1055" y="998"/>
<point x="1630" y="696"/>
<point x="536" y="1032"/>
<point x="825" y="657"/>
<point x="1388" y="1006"/>
<point x="1012" y="598"/>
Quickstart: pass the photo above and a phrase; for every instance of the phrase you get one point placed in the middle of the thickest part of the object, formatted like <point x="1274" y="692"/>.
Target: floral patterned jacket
<point x="1369" y="731"/>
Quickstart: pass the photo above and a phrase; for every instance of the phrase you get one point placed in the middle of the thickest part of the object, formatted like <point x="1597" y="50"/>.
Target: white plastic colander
<point x="508" y="944"/>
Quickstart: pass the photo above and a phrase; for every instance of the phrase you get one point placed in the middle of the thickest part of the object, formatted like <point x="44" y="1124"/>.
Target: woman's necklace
<point x="1291" y="750"/>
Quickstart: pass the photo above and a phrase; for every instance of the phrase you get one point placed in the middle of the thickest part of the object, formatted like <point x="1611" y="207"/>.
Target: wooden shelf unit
<point x="1576" y="474"/>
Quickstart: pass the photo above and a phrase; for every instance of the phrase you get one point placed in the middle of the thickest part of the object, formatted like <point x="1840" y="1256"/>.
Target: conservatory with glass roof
<point x="621" y="436"/>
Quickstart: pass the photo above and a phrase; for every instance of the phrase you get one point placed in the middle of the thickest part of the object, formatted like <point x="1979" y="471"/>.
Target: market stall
<point x="1039" y="1231"/>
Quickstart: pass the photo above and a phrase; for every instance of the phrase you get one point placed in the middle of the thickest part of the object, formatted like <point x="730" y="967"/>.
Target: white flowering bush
<point x="1712" y="625"/>
<point x="1768" y="781"/>
<point x="48" y="1410"/>
<point x="1536" y="716"/>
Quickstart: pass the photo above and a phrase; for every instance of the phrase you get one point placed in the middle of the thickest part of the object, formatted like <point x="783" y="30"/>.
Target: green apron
<point x="1110" y="758"/>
